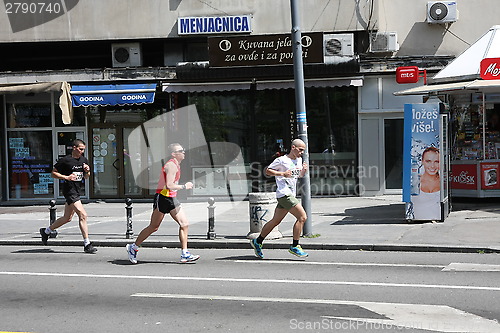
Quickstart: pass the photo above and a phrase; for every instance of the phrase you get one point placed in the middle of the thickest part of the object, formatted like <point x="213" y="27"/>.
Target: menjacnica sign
<point x="263" y="50"/>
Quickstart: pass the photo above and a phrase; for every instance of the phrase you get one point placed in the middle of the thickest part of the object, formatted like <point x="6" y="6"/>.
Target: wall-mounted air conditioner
<point x="337" y="45"/>
<point x="384" y="42"/>
<point x="442" y="12"/>
<point x="126" y="54"/>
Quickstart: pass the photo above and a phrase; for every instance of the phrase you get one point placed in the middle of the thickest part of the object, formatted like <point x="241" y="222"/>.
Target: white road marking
<point x="299" y="262"/>
<point x="248" y="280"/>
<point x="466" y="267"/>
<point x="439" y="318"/>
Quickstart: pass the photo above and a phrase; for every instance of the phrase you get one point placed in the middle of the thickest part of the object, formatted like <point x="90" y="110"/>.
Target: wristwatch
<point x="184" y="186"/>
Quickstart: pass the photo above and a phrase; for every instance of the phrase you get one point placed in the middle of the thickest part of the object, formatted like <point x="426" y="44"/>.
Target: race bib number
<point x="79" y="176"/>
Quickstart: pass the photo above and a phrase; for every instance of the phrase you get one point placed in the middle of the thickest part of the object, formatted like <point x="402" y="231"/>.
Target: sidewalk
<point x="343" y="223"/>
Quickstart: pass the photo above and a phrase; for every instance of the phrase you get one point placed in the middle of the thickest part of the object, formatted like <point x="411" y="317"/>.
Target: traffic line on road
<point x="439" y="318"/>
<point x="466" y="267"/>
<point x="257" y="280"/>
<point x="301" y="262"/>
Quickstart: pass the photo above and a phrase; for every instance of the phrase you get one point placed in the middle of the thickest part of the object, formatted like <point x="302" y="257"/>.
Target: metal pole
<point x="52" y="217"/>
<point x="300" y="103"/>
<point x="128" y="209"/>
<point x="211" y="219"/>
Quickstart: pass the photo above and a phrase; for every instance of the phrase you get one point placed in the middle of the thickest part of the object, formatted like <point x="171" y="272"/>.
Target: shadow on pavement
<point x="387" y="214"/>
<point x="125" y="262"/>
<point x="491" y="205"/>
<point x="45" y="251"/>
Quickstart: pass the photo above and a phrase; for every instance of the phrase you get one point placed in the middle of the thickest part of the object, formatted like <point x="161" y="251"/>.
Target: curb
<point x="221" y="244"/>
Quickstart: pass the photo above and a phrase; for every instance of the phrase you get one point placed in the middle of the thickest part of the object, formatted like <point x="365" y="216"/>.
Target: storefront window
<point x="274" y="123"/>
<point x="467" y="128"/>
<point x="262" y="123"/>
<point x="332" y="133"/>
<point x="224" y="117"/>
<point x="21" y="115"/>
<point x="30" y="164"/>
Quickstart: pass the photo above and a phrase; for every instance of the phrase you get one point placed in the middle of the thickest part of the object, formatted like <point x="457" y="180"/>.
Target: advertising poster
<point x="489" y="172"/>
<point x="421" y="166"/>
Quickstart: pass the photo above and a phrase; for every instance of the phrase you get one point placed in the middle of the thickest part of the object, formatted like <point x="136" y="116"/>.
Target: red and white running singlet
<point x="162" y="182"/>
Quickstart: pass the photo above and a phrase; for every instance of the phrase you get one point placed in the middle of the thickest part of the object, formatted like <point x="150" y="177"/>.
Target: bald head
<point x="298" y="143"/>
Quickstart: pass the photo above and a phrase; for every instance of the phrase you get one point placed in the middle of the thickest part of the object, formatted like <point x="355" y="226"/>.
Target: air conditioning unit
<point x="126" y="54"/>
<point x="384" y="42"/>
<point x="337" y="45"/>
<point x="442" y="11"/>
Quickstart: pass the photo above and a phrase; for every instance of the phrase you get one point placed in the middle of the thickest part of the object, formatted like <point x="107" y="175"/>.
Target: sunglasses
<point x="180" y="151"/>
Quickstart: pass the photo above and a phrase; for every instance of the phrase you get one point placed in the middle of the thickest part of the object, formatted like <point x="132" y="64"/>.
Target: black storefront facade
<point x="251" y="107"/>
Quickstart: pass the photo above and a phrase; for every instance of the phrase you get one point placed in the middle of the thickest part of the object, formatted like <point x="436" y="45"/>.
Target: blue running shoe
<point x="132" y="253"/>
<point x="297" y="251"/>
<point x="257" y="248"/>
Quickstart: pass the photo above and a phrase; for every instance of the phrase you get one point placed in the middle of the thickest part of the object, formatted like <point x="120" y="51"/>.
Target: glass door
<point x="106" y="163"/>
<point x="393" y="140"/>
<point x="112" y="164"/>
<point x="131" y="189"/>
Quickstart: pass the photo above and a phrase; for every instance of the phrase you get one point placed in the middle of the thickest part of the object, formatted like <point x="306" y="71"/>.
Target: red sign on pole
<point x="408" y="74"/>
<point x="490" y="68"/>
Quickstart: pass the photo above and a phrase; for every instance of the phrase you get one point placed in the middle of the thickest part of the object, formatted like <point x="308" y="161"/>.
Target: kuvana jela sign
<point x="260" y="50"/>
<point x="490" y="68"/>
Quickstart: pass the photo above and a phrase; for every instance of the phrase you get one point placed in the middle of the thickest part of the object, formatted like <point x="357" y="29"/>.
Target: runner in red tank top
<point x="165" y="202"/>
<point x="162" y="182"/>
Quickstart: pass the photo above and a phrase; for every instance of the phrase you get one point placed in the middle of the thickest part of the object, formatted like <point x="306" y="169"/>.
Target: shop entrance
<point x="381" y="165"/>
<point x="112" y="170"/>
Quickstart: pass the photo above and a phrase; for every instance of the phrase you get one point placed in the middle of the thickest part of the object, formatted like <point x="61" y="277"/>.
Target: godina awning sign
<point x="194" y="25"/>
<point x="263" y="50"/>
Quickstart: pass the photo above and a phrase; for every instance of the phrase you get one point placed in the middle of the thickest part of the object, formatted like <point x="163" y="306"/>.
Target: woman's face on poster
<point x="430" y="161"/>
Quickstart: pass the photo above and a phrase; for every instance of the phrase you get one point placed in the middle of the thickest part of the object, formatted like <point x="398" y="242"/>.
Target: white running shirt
<point x="286" y="186"/>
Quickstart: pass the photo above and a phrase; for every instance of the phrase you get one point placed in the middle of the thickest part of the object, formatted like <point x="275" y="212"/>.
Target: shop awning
<point x="474" y="85"/>
<point x="309" y="83"/>
<point x="112" y="94"/>
<point x="205" y="87"/>
<point x="261" y="85"/>
<point x="434" y="88"/>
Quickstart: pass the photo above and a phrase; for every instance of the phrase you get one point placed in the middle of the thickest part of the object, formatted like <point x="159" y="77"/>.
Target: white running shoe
<point x="132" y="253"/>
<point x="188" y="257"/>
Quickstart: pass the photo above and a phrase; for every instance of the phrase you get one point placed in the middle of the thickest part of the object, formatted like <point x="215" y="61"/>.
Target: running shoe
<point x="132" y="253"/>
<point x="188" y="257"/>
<point x="257" y="248"/>
<point x="297" y="251"/>
<point x="89" y="248"/>
<point x="45" y="237"/>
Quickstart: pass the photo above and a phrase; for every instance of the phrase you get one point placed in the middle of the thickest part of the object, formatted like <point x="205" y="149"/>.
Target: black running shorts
<point x="165" y="204"/>
<point x="72" y="197"/>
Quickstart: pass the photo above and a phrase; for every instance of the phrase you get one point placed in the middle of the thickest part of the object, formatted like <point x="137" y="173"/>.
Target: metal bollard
<point x="52" y="217"/>
<point x="211" y="219"/>
<point x="128" y="208"/>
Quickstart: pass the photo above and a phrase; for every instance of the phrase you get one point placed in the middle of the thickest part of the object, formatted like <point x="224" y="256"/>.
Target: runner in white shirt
<point x="286" y="169"/>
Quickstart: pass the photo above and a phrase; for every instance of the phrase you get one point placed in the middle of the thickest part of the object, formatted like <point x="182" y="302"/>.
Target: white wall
<point x="119" y="19"/>
<point x="417" y="37"/>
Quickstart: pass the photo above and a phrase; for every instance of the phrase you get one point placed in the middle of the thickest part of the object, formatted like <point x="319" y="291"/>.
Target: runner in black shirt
<point x="72" y="169"/>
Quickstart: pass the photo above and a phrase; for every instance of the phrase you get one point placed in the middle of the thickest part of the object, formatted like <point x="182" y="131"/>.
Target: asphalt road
<point x="61" y="289"/>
